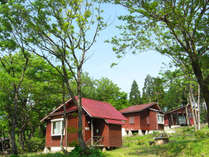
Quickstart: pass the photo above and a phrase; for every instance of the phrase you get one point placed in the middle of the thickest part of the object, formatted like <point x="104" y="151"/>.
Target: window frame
<point x="162" y="118"/>
<point x="52" y="126"/>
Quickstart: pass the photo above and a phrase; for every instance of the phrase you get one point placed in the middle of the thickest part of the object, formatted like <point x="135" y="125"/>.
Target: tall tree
<point x="12" y="77"/>
<point x="64" y="31"/>
<point x="108" y="91"/>
<point x="135" y="96"/>
<point x="175" y="28"/>
<point x="39" y="93"/>
<point x="148" y="89"/>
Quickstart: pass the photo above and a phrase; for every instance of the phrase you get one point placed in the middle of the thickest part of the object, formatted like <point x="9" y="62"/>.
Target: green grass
<point x="184" y="143"/>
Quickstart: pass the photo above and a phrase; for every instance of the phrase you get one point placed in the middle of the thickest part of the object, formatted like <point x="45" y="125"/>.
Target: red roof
<point x="137" y="108"/>
<point x="94" y="108"/>
<point x="101" y="109"/>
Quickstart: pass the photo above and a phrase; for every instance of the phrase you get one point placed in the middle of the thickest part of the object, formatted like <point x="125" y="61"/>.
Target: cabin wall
<point x="115" y="138"/>
<point x="72" y="132"/>
<point x="72" y="127"/>
<point x="86" y="127"/>
<point x="135" y="125"/>
<point x="153" y="120"/>
<point x="53" y="141"/>
<point x="166" y="119"/>
<point x="145" y="120"/>
<point x="175" y="113"/>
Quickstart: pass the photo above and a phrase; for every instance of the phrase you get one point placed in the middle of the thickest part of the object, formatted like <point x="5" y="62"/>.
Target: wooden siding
<point x="135" y="125"/>
<point x="72" y="128"/>
<point x="52" y="140"/>
<point x="111" y="136"/>
<point x="144" y="117"/>
<point x="153" y="120"/>
<point x="143" y="120"/>
<point x="115" y="139"/>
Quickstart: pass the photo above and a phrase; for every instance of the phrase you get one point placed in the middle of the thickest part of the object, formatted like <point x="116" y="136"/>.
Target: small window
<point x="56" y="127"/>
<point x="131" y="120"/>
<point x="160" y="118"/>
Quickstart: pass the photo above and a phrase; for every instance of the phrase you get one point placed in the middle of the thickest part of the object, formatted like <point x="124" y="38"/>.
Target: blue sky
<point x="131" y="67"/>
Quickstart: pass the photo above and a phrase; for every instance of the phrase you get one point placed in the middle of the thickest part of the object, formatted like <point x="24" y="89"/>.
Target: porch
<point x="95" y="134"/>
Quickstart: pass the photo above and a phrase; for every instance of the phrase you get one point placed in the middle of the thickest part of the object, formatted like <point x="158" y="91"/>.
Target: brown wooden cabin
<point x="101" y="124"/>
<point x="178" y="116"/>
<point x="142" y="119"/>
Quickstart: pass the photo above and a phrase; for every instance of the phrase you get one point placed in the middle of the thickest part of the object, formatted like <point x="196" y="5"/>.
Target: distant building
<point x="142" y="119"/>
<point x="178" y="116"/>
<point x="101" y="125"/>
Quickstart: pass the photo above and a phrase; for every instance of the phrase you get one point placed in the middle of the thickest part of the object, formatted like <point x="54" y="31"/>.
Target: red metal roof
<point x="101" y="109"/>
<point x="94" y="108"/>
<point x="137" y="108"/>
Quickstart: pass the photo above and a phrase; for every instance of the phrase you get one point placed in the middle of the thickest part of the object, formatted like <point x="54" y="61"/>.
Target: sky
<point x="131" y="67"/>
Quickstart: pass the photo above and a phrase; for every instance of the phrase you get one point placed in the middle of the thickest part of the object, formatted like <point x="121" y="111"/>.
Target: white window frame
<point x="162" y="118"/>
<point x="52" y="126"/>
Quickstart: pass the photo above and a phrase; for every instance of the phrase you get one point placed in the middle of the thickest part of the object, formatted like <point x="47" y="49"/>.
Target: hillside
<point x="183" y="143"/>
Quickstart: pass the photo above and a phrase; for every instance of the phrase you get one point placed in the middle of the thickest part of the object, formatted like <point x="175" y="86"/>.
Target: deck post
<point x="92" y="133"/>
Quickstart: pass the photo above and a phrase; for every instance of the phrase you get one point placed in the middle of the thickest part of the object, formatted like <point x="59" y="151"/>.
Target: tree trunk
<point x="12" y="136"/>
<point x="78" y="104"/>
<point x="203" y="83"/>
<point x="198" y="108"/>
<point x="13" y="124"/>
<point x="64" y="119"/>
<point x="192" y="108"/>
<point x="187" y="117"/>
<point x="80" y="126"/>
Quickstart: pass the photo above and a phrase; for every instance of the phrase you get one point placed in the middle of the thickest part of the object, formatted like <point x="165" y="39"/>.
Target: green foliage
<point x="42" y="155"/>
<point x="108" y="91"/>
<point x="148" y="89"/>
<point x="178" y="29"/>
<point x="35" y="144"/>
<point x="73" y="144"/>
<point x="201" y="134"/>
<point x="135" y="96"/>
<point x="90" y="152"/>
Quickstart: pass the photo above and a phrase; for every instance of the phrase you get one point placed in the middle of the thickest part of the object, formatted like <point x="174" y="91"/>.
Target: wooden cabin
<point x="101" y="125"/>
<point x="178" y="116"/>
<point x="143" y="118"/>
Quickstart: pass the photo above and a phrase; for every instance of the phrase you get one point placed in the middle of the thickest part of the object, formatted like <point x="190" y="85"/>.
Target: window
<point x="56" y="127"/>
<point x="131" y="120"/>
<point x="160" y="118"/>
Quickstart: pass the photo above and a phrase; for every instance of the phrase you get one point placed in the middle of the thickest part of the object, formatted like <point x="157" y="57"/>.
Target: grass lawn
<point x="184" y="143"/>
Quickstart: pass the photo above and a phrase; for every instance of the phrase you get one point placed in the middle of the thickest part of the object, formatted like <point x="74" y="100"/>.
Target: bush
<point x="35" y="144"/>
<point x="90" y="152"/>
<point x="201" y="134"/>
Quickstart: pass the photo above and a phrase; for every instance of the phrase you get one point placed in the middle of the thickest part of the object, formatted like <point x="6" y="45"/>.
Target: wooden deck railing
<point x="97" y="141"/>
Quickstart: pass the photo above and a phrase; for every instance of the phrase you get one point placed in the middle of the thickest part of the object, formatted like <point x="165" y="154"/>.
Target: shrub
<point x="35" y="144"/>
<point x="201" y="134"/>
<point x="90" y="152"/>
